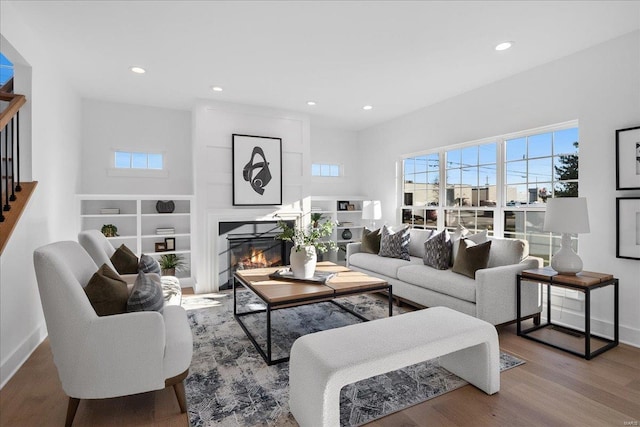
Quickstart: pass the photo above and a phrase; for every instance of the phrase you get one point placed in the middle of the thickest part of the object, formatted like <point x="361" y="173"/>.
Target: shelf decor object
<point x="109" y="230"/>
<point x="257" y="170"/>
<point x="170" y="243"/>
<point x="566" y="215"/>
<point x="165" y="206"/>
<point x="628" y="227"/>
<point x="628" y="159"/>
<point x="372" y="211"/>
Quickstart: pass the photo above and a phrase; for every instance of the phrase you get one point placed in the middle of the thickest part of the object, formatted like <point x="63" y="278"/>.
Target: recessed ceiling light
<point x="311" y="103"/>
<point x="138" y="70"/>
<point x="504" y="45"/>
<point x="216" y="89"/>
<point x="367" y="107"/>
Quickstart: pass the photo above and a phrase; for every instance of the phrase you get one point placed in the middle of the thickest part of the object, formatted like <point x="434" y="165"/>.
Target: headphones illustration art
<point x="262" y="177"/>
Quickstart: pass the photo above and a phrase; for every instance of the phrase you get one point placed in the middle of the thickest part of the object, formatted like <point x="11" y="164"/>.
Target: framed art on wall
<point x="257" y="170"/>
<point x="628" y="227"/>
<point x="628" y="159"/>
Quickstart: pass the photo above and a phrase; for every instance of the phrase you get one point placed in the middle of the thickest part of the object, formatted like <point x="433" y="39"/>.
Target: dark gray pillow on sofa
<point x="395" y="245"/>
<point x="370" y="241"/>
<point x="471" y="257"/>
<point x="146" y="294"/>
<point x="437" y="251"/>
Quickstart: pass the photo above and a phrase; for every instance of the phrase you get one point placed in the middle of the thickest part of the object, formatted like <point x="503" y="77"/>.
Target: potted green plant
<point x="170" y="263"/>
<point x="315" y="219"/>
<point x="109" y="230"/>
<point x="307" y="242"/>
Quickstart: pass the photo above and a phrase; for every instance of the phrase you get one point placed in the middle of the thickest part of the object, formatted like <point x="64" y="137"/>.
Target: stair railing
<point x="10" y="149"/>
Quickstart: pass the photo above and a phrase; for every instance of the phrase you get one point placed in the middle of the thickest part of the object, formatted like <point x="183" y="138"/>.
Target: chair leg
<point x="181" y="395"/>
<point x="71" y="411"/>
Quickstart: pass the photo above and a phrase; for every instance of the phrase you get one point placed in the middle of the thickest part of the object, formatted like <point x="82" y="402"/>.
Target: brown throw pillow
<point x="471" y="257"/>
<point x="107" y="292"/>
<point x="125" y="261"/>
<point x="371" y="241"/>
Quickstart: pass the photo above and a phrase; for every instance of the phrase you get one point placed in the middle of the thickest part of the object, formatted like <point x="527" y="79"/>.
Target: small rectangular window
<point x="132" y="160"/>
<point x="325" y="169"/>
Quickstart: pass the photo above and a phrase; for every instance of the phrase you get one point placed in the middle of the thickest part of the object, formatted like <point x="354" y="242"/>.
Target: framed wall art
<point x="170" y="243"/>
<point x="628" y="159"/>
<point x="628" y="227"/>
<point x="257" y="170"/>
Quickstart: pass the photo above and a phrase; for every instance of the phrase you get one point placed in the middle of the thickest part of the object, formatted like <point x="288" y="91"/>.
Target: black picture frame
<point x="628" y="227"/>
<point x="628" y="158"/>
<point x="160" y="247"/>
<point x="169" y="243"/>
<point x="257" y="170"/>
<point x="343" y="205"/>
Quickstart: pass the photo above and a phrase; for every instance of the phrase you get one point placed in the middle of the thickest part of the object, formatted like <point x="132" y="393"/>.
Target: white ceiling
<point x="397" y="56"/>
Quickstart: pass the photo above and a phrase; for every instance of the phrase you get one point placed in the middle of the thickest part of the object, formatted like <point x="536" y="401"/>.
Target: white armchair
<point x="109" y="356"/>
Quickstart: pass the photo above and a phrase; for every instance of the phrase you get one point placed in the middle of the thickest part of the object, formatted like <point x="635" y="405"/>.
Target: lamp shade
<point x="371" y="209"/>
<point x="567" y="215"/>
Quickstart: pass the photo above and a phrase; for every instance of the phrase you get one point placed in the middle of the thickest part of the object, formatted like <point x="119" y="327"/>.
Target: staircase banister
<point x="15" y="103"/>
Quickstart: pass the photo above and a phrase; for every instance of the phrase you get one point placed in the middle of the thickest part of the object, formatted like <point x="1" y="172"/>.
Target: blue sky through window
<point x="6" y="69"/>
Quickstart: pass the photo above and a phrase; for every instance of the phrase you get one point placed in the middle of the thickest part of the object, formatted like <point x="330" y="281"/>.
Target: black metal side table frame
<point x="267" y="356"/>
<point x="588" y="354"/>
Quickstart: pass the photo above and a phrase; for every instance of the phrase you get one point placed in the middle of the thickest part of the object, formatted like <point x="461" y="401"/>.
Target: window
<point x="500" y="185"/>
<point x="324" y="169"/>
<point x="6" y="69"/>
<point x="131" y="160"/>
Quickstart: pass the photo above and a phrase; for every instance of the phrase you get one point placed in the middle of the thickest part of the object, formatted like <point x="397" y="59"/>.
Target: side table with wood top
<point x="552" y="334"/>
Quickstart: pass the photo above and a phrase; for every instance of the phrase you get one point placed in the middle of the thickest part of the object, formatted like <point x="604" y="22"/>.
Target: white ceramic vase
<point x="303" y="262"/>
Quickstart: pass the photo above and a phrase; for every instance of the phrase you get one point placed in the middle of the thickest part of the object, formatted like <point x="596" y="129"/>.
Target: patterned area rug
<point x="230" y="384"/>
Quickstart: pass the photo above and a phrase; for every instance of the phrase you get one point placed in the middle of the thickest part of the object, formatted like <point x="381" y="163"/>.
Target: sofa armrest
<point x="353" y="248"/>
<point x="496" y="292"/>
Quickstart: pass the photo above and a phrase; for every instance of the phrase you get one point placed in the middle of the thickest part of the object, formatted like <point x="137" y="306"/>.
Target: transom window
<point x="325" y="169"/>
<point x="134" y="160"/>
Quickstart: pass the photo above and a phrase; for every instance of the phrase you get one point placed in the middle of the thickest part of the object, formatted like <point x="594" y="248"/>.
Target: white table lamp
<point x="566" y="215"/>
<point x="371" y="210"/>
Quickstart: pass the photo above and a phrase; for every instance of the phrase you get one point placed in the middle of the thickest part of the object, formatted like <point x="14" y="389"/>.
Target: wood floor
<point x="553" y="388"/>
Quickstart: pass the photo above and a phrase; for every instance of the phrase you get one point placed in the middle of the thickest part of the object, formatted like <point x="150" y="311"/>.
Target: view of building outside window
<point x="534" y="167"/>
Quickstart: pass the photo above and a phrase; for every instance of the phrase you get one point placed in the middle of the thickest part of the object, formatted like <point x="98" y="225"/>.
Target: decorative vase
<point x="165" y="206"/>
<point x="346" y="234"/>
<point x="303" y="262"/>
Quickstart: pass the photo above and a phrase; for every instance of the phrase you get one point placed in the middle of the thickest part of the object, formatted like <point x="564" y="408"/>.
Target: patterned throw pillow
<point x="146" y="294"/>
<point x="395" y="245"/>
<point x="148" y="264"/>
<point x="107" y="292"/>
<point x="437" y="251"/>
<point x="125" y="261"/>
<point x="371" y="241"/>
<point x="471" y="257"/>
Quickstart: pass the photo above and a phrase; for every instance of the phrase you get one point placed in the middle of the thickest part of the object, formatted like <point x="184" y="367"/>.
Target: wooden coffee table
<point x="279" y="294"/>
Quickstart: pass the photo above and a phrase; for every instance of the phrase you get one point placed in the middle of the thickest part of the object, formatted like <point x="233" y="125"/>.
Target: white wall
<point x="339" y="147"/>
<point x="107" y="126"/>
<point x="600" y="87"/>
<point x="214" y="124"/>
<point x="55" y="146"/>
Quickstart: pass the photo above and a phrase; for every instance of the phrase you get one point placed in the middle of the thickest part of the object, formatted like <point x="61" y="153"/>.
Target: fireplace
<point x="250" y="244"/>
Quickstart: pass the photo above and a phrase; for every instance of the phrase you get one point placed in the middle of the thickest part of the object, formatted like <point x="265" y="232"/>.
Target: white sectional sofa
<point x="491" y="296"/>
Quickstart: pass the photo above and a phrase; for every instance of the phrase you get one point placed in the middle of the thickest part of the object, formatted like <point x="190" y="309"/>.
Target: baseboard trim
<point x="572" y="319"/>
<point x="15" y="360"/>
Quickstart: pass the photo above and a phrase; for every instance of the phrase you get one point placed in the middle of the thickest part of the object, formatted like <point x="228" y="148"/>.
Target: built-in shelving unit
<point x="347" y="213"/>
<point x="138" y="220"/>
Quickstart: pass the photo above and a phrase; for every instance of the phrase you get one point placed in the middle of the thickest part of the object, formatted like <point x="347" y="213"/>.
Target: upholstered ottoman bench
<point x="323" y="362"/>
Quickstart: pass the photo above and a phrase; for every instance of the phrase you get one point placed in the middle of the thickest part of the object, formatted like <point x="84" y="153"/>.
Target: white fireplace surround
<point x="215" y="244"/>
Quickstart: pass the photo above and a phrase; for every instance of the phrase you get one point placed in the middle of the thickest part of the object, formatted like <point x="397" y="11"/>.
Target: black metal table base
<point x="267" y="355"/>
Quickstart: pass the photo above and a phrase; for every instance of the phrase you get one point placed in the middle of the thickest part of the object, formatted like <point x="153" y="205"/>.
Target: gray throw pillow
<point x="437" y="251"/>
<point x="148" y="264"/>
<point x="107" y="292"/>
<point x="370" y="241"/>
<point x="146" y="294"/>
<point x="394" y="245"/>
<point x="471" y="257"/>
